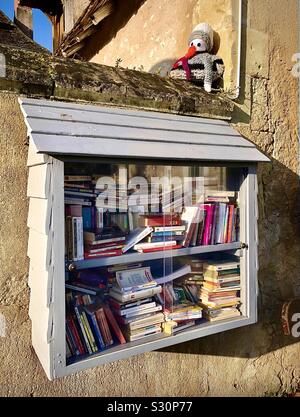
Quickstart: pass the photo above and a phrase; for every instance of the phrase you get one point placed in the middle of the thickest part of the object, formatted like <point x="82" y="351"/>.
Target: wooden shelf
<point x="133" y="257"/>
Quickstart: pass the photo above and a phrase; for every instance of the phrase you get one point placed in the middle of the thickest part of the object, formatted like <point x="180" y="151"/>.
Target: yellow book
<point x="89" y="332"/>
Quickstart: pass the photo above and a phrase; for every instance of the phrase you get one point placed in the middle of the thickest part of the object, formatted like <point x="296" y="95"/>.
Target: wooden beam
<point x="52" y="7"/>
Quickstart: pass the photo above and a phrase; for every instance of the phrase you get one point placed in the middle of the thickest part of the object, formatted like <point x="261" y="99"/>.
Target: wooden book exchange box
<point x="180" y="192"/>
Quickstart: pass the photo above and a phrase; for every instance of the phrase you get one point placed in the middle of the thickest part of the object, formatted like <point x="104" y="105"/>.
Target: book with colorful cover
<point x="135" y="279"/>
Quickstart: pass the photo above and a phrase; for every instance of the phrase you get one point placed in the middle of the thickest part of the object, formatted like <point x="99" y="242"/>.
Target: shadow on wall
<point x="110" y="26"/>
<point x="278" y="277"/>
<point x="163" y="68"/>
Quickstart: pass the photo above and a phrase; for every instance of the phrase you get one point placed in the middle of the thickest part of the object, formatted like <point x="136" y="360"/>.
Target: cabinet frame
<point x="248" y="256"/>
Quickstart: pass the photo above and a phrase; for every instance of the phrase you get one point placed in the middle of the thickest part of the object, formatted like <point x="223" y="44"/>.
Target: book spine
<point x="77" y="178"/>
<point x="122" y="312"/>
<point x="230" y="220"/>
<point x="80" y="247"/>
<point x="74" y="238"/>
<point x="201" y="227"/>
<point x="169" y="229"/>
<point x="69" y="238"/>
<point x="210" y="233"/>
<point x="114" y="325"/>
<point x="89" y="332"/>
<point x="225" y="230"/>
<point x="215" y="223"/>
<point x="233" y="230"/>
<point x="99" y="217"/>
<point x="160" y="249"/>
<point x="71" y="341"/>
<point x="83" y="331"/>
<point x="77" y="336"/>
<point x="207" y="225"/>
<point x="117" y="252"/>
<point x="87" y="217"/>
<point x="104" y="327"/>
<point x="98" y="334"/>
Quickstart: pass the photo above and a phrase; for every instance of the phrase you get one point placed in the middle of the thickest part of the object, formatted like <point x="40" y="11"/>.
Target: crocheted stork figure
<point x="199" y="64"/>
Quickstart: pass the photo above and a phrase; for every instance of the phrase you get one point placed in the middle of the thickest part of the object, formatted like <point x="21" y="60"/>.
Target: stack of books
<point x="133" y="305"/>
<point x="108" y="241"/>
<point x="181" y="307"/>
<point x="167" y="232"/>
<point x="220" y="293"/>
<point x="90" y="327"/>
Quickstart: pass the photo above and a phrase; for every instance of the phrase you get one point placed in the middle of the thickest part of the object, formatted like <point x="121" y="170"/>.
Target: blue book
<point x="87" y="218"/>
<point x="95" y="329"/>
<point x="163" y="234"/>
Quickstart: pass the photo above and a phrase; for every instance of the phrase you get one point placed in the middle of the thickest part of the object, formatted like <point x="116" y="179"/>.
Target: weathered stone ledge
<point x="39" y="74"/>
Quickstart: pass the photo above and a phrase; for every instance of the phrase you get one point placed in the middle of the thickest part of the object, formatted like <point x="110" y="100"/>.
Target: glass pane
<point x="150" y="251"/>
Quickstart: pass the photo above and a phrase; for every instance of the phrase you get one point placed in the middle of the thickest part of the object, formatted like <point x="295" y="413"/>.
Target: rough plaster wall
<point x="158" y="35"/>
<point x="256" y="360"/>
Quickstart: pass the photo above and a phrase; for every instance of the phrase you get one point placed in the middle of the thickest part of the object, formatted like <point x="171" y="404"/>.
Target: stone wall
<point x="158" y="35"/>
<point x="253" y="361"/>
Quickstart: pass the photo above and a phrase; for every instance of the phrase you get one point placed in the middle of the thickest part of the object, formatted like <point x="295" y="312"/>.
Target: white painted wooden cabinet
<point x="70" y="139"/>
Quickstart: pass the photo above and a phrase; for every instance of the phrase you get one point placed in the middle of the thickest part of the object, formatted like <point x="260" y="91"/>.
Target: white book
<point x="80" y="246"/>
<point x="146" y="321"/>
<point x="154" y="245"/>
<point x="130" y="310"/>
<point x="169" y="229"/>
<point x="142" y="312"/>
<point x="135" y="279"/>
<point x="149" y="292"/>
<point x="146" y="333"/>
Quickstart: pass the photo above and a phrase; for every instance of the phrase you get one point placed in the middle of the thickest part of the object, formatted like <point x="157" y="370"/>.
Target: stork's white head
<point x="202" y="38"/>
<point x="199" y="44"/>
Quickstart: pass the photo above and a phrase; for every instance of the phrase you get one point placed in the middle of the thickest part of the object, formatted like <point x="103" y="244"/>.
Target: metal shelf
<point x="141" y="257"/>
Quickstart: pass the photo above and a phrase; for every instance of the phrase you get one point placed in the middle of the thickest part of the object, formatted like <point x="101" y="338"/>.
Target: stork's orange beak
<point x="191" y="52"/>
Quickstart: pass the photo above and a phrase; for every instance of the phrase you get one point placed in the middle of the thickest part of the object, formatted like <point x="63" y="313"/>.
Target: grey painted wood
<point x="63" y="128"/>
<point x="59" y="327"/>
<point x="154" y="343"/>
<point x="124" y="120"/>
<point x="67" y="145"/>
<point x="79" y="129"/>
<point x="141" y="257"/>
<point x="252" y="252"/>
<point x="120" y="111"/>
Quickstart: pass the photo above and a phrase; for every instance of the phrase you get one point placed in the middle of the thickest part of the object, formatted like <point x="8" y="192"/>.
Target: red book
<point x="114" y="325"/>
<point x="102" y="322"/>
<point x="116" y="252"/>
<point x="102" y="245"/>
<point x="161" y="220"/>
<point x="208" y="224"/>
<point x="161" y="248"/>
<point x="75" y="333"/>
<point x="229" y="229"/>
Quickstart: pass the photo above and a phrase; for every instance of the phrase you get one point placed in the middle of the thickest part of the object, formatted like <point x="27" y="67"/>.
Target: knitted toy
<point x="199" y="64"/>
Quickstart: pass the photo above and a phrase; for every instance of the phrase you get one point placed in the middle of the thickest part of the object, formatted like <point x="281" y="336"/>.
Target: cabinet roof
<point x="59" y="128"/>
